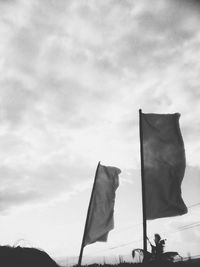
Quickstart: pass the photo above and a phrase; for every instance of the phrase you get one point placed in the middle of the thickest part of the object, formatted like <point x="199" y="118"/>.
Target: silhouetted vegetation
<point x="25" y="257"/>
<point x="192" y="263"/>
<point x="32" y="257"/>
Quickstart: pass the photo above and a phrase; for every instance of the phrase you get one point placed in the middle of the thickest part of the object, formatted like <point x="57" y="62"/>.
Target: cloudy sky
<point x="73" y="75"/>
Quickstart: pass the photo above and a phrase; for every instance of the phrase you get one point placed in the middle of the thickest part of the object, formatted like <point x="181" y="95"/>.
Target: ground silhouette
<point x="25" y="257"/>
<point x="32" y="257"/>
<point x="188" y="263"/>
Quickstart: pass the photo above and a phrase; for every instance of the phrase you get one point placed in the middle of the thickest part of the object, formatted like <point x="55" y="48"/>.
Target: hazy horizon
<point x="73" y="77"/>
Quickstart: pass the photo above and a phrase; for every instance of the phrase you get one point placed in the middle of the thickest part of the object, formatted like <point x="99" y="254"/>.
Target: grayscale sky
<point x="73" y="75"/>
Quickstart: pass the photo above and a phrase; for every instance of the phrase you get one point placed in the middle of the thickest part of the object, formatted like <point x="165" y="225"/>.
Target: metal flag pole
<point x="143" y="185"/>
<point x="87" y="218"/>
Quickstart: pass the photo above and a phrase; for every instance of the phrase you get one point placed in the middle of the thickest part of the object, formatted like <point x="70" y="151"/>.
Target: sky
<point x="74" y="74"/>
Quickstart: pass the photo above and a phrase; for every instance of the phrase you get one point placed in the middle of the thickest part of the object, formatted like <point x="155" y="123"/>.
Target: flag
<point x="164" y="165"/>
<point x="100" y="217"/>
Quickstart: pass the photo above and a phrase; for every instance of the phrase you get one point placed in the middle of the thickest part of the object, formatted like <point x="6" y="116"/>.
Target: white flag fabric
<point x="164" y="165"/>
<point x="100" y="220"/>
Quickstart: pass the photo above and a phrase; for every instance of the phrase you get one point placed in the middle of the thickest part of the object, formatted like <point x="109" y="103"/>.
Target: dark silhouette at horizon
<point x="25" y="257"/>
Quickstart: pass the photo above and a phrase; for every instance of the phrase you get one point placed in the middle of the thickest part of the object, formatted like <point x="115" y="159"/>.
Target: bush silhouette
<point x="25" y="257"/>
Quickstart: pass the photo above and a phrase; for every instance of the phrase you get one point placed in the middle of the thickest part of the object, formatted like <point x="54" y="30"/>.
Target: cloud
<point x="16" y="100"/>
<point x="49" y="181"/>
<point x="73" y="77"/>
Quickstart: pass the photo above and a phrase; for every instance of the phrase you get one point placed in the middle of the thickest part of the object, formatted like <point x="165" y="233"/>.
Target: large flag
<point x="164" y="165"/>
<point x="100" y="217"/>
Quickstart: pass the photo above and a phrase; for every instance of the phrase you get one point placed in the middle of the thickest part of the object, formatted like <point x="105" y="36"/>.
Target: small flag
<point x="164" y="165"/>
<point x="100" y="217"/>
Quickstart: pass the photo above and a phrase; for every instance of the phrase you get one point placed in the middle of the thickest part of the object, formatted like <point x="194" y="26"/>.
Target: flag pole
<point x="143" y="185"/>
<point x="87" y="218"/>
